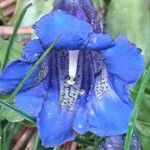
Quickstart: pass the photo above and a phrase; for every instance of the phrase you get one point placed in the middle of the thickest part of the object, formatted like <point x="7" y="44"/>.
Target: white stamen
<point x="73" y="61"/>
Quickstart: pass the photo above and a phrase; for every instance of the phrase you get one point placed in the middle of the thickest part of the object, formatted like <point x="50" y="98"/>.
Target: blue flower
<point x="82" y="85"/>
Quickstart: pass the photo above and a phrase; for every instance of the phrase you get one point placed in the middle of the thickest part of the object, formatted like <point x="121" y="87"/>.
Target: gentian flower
<point x="83" y="84"/>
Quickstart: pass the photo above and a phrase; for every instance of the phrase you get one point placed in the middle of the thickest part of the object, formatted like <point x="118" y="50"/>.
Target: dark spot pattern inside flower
<point x="90" y="72"/>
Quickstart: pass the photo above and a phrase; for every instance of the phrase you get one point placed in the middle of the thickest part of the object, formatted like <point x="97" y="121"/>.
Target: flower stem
<point x="137" y="105"/>
<point x="12" y="39"/>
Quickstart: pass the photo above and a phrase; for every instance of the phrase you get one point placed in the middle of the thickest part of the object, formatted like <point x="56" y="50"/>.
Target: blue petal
<point x="110" y="115"/>
<point x="73" y="31"/>
<point x="98" y="42"/>
<point x="81" y="124"/>
<point x="76" y="34"/>
<point x="124" y="60"/>
<point x="14" y="73"/>
<point x="31" y="101"/>
<point x="32" y="51"/>
<point x="121" y="88"/>
<point x="55" y="125"/>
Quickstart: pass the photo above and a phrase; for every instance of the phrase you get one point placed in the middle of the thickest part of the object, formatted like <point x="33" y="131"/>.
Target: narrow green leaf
<point x="10" y="45"/>
<point x="143" y="127"/>
<point x="18" y="88"/>
<point x="145" y="142"/>
<point x="12" y="130"/>
<point x="136" y="109"/>
<point x="34" y="13"/>
<point x="10" y="115"/>
<point x="15" y="110"/>
<point x="15" y="52"/>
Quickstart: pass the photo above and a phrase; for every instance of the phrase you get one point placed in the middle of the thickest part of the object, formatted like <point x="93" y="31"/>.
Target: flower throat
<point x="81" y="67"/>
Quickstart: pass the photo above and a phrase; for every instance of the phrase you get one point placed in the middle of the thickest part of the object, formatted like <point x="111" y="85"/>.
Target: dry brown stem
<point x="6" y="3"/>
<point x="22" y="139"/>
<point x="8" y="30"/>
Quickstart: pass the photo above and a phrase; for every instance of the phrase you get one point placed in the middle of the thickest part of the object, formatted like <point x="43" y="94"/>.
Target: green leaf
<point x="16" y="111"/>
<point x="10" y="51"/>
<point x="143" y="127"/>
<point x="38" y="9"/>
<point x="144" y="113"/>
<point x="143" y="120"/>
<point x="10" y="115"/>
<point x="132" y="18"/>
<point x="145" y="142"/>
<point x="14" y="54"/>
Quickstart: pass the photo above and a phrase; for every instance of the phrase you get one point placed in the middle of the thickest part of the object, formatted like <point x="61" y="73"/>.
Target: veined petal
<point x="54" y="122"/>
<point x="124" y="60"/>
<point x="54" y="125"/>
<point x="110" y="115"/>
<point x="32" y="51"/>
<point x="31" y="101"/>
<point x="76" y="34"/>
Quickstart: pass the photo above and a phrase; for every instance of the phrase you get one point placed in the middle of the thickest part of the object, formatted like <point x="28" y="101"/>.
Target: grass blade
<point x="10" y="45"/>
<point x="13" y="95"/>
<point x="136" y="109"/>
